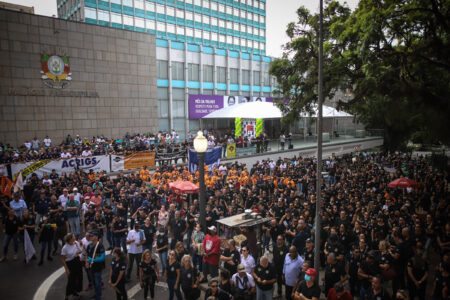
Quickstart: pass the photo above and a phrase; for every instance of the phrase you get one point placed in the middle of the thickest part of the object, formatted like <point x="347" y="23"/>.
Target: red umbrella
<point x="185" y="187"/>
<point x="402" y="183"/>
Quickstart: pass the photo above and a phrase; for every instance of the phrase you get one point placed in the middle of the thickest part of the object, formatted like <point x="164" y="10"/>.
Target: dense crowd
<point x="377" y="242"/>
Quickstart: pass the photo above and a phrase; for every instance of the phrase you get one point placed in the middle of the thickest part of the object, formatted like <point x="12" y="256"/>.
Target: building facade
<point x="209" y="47"/>
<point x="61" y="77"/>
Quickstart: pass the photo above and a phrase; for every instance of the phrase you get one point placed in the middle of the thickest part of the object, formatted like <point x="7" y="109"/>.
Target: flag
<point x="212" y="158"/>
<point x="231" y="150"/>
<point x="18" y="185"/>
<point x="28" y="246"/>
<point x="6" y="186"/>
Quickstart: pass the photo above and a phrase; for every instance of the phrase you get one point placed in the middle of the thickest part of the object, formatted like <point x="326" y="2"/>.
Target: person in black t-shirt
<point x="334" y="272"/>
<point x="148" y="273"/>
<point x="12" y="224"/>
<point x="96" y="262"/>
<point x="149" y="231"/>
<point x="279" y="254"/>
<point x="308" y="289"/>
<point x="119" y="230"/>
<point x="109" y="216"/>
<point x="46" y="232"/>
<point x="173" y="276"/>
<point x="231" y="257"/>
<point x="61" y="229"/>
<point x="189" y="279"/>
<point x="162" y="246"/>
<point x="117" y="274"/>
<point x="179" y="229"/>
<point x="265" y="277"/>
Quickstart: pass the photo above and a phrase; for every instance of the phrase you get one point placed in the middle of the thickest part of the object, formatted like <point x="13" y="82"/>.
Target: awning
<point x="249" y="110"/>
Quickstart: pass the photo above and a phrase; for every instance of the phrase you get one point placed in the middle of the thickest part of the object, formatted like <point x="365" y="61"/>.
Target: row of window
<point x="106" y="16"/>
<point x="208" y="74"/>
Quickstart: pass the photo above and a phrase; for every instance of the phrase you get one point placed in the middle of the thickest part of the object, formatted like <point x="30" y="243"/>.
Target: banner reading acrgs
<point x="41" y="167"/>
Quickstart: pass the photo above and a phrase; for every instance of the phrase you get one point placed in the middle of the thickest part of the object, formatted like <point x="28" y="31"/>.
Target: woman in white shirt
<point x="70" y="257"/>
<point x="247" y="260"/>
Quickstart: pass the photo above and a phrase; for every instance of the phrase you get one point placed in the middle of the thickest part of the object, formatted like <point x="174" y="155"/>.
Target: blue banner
<point x="212" y="157"/>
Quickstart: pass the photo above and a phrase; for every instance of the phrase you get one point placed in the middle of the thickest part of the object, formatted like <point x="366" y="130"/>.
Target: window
<point x="229" y="10"/>
<point x="243" y="14"/>
<point x="150" y="24"/>
<point x="180" y="30"/>
<point x="139" y="4"/>
<point x="250" y="16"/>
<point x="256" y="80"/>
<point x="161" y="26"/>
<point x="178" y="103"/>
<point x="160" y="9"/>
<point x="198" y="2"/>
<point x="170" y="28"/>
<point x="213" y="5"/>
<point x="163" y="101"/>
<point x="246" y="77"/>
<point x="266" y="79"/>
<point x="221" y="8"/>
<point x="221" y="74"/>
<point x="139" y="22"/>
<point x="180" y="13"/>
<point x="103" y="15"/>
<point x="198" y="33"/>
<point x="162" y="69"/>
<point x="116" y="18"/>
<point x="189" y="31"/>
<point x="206" y="35"/>
<point x="194" y="72"/>
<point x="127" y="3"/>
<point x="221" y="38"/>
<point x="150" y="6"/>
<point x="234" y="76"/>
<point x="205" y="4"/>
<point x="214" y="21"/>
<point x="236" y="26"/>
<point x="91" y="13"/>
<point x="127" y="20"/>
<point x="229" y="25"/>
<point x="229" y="39"/>
<point x="116" y="2"/>
<point x="177" y="71"/>
<point x="208" y="73"/>
<point x="214" y="36"/>
<point x="263" y="19"/>
<point x="189" y="16"/>
<point x="170" y="11"/>
<point x="221" y="23"/>
<point x="206" y="19"/>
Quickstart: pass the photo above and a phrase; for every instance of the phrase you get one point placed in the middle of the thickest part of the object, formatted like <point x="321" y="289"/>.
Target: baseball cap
<point x="309" y="240"/>
<point x="75" y="189"/>
<point x="212" y="228"/>
<point x="240" y="267"/>
<point x="311" y="272"/>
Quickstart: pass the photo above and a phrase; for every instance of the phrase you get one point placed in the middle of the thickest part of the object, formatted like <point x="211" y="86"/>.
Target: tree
<point x="392" y="55"/>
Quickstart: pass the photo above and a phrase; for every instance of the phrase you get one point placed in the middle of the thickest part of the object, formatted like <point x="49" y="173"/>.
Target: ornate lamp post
<point x="200" y="146"/>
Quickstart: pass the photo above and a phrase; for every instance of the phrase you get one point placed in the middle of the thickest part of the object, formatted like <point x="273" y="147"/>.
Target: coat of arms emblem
<point x="55" y="71"/>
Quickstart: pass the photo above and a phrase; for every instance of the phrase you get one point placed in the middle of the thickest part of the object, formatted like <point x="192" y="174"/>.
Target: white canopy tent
<point x="327" y="112"/>
<point x="248" y="110"/>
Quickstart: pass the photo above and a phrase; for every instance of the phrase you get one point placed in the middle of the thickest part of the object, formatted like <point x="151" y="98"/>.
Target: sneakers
<point x="15" y="257"/>
<point x="2" y="259"/>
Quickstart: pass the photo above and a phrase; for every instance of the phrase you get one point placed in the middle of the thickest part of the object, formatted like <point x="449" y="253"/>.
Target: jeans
<point x="8" y="237"/>
<point x="131" y="258"/>
<point x="172" y="291"/>
<point x="263" y="295"/>
<point x="74" y="225"/>
<point x="163" y="258"/>
<point x="97" y="278"/>
<point x="121" y="241"/>
<point x="198" y="261"/>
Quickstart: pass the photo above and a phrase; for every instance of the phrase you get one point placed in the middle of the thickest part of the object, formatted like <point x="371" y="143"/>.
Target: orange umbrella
<point x="185" y="187"/>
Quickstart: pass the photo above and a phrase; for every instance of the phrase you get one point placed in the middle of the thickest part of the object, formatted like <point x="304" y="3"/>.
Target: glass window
<point x="256" y="80"/>
<point x="213" y="5"/>
<point x="198" y="33"/>
<point x="263" y="19"/>
<point x="116" y="18"/>
<point x="234" y="76"/>
<point x="208" y="73"/>
<point x="221" y="74"/>
<point x="178" y="111"/>
<point x="189" y="1"/>
<point x="266" y="79"/>
<point x="150" y="24"/>
<point x="127" y="20"/>
<point x="214" y="21"/>
<point x="221" y="38"/>
<point x="229" y="39"/>
<point x="221" y="8"/>
<point x="127" y="3"/>
<point x="170" y="28"/>
<point x="180" y="13"/>
<point x="189" y="16"/>
<point x="236" y="26"/>
<point x="91" y="13"/>
<point x="162" y="69"/>
<point x="205" y="4"/>
<point x="149" y="6"/>
<point x="235" y="12"/>
<point x="242" y="42"/>
<point x="221" y="23"/>
<point x="178" y="94"/>
<point x="163" y="101"/>
<point x="177" y="71"/>
<point x="116" y="2"/>
<point x="198" y="18"/>
<point x="229" y="25"/>
<point x="194" y="72"/>
<point x="189" y="31"/>
<point x="250" y="16"/>
<point x="161" y="26"/>
<point x="180" y="30"/>
<point x="214" y="36"/>
<point x="160" y="9"/>
<point x="170" y="11"/>
<point x="103" y="15"/>
<point x="139" y="4"/>
<point x="246" y="77"/>
<point x="243" y="14"/>
<point x="207" y="35"/>
<point x="198" y="2"/>
<point x="139" y="22"/>
<point x="206" y="19"/>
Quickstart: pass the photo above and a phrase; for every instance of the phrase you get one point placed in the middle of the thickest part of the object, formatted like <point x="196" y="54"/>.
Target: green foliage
<point x="392" y="55"/>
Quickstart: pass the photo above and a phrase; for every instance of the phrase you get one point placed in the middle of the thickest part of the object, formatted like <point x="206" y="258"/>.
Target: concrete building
<point x="209" y="47"/>
<point x="17" y="7"/>
<point x="60" y="77"/>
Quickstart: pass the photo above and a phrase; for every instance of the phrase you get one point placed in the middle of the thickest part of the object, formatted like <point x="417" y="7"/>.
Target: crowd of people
<point x="377" y="242"/>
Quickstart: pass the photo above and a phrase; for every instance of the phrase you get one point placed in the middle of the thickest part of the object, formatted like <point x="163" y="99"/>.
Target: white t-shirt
<point x="86" y="153"/>
<point x="66" y="155"/>
<point x="63" y="200"/>
<point x="47" y="142"/>
<point x="70" y="251"/>
<point x="137" y="236"/>
<point x="85" y="243"/>
<point x="249" y="263"/>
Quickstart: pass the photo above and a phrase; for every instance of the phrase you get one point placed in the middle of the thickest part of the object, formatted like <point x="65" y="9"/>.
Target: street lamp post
<point x="200" y="146"/>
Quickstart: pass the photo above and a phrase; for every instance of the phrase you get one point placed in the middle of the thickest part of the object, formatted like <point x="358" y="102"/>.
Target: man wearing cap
<point x="211" y="246"/>
<point x="244" y="284"/>
<point x="96" y="262"/>
<point x="265" y="277"/>
<point x="308" y="289"/>
<point x="291" y="268"/>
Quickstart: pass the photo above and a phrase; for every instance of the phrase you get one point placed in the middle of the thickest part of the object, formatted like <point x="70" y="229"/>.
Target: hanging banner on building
<point x="132" y="161"/>
<point x="231" y="150"/>
<point x="95" y="163"/>
<point x="202" y="105"/>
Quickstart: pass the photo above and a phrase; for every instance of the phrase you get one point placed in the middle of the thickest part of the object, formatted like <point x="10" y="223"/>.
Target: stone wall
<point x="113" y="86"/>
